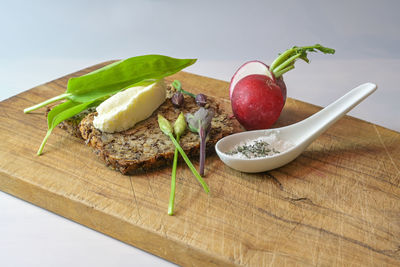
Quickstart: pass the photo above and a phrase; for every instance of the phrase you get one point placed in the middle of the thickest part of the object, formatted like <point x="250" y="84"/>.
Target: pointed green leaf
<point x="116" y="76"/>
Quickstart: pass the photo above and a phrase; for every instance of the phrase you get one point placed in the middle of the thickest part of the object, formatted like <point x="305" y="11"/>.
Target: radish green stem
<point x="173" y="181"/>
<point x="288" y="53"/>
<point x="280" y="73"/>
<point x="285" y="62"/>
<point x="48" y="101"/>
<point x="281" y="58"/>
<point x="190" y="165"/>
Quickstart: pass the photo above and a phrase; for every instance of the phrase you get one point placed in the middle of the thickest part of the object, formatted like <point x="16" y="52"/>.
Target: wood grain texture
<point x="337" y="204"/>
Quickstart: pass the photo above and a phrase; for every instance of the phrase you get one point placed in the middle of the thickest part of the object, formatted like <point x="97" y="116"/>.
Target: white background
<point x="43" y="40"/>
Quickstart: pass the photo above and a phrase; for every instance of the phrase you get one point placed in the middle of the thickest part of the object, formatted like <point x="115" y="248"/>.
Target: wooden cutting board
<point x="337" y="204"/>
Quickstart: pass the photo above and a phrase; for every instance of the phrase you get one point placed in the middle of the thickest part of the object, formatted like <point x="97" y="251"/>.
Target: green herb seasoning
<point x="261" y="147"/>
<point x="256" y="150"/>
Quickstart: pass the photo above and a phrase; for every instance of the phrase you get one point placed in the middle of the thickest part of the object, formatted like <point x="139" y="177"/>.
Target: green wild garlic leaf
<point x="122" y="74"/>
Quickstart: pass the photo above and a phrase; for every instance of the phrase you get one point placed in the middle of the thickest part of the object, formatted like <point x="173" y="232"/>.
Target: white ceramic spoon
<point x="300" y="134"/>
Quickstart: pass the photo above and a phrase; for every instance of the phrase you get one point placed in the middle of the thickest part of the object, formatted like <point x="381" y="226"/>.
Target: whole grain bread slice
<point x="145" y="147"/>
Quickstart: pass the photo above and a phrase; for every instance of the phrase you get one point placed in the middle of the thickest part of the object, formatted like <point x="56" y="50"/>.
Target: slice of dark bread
<point x="71" y="125"/>
<point x="145" y="147"/>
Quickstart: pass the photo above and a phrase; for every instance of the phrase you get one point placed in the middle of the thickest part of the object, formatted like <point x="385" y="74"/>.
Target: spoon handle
<point x="318" y="123"/>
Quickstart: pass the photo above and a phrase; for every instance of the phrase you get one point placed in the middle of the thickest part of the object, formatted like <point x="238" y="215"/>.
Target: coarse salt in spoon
<point x="297" y="136"/>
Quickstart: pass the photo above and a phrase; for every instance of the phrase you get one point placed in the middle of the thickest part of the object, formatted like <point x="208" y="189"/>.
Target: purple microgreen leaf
<point x="200" y="122"/>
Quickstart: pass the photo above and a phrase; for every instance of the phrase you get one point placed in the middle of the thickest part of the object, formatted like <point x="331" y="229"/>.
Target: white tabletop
<point x="43" y="40"/>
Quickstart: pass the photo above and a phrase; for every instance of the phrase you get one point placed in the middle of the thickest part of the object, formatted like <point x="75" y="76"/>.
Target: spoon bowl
<point x="300" y="134"/>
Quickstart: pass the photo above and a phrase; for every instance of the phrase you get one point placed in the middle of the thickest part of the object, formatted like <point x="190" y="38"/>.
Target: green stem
<point x="283" y="62"/>
<point x="280" y="73"/>
<point x="190" y="165"/>
<point x="178" y="86"/>
<point x="48" y="101"/>
<point x="286" y="63"/>
<point x="281" y="58"/>
<point x="173" y="181"/>
<point x="188" y="93"/>
<point x="39" y="152"/>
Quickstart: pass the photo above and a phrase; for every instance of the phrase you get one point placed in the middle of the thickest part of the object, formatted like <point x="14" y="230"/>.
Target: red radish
<point x="258" y="92"/>
<point x="261" y="107"/>
<point x="255" y="67"/>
